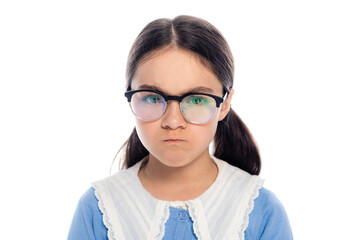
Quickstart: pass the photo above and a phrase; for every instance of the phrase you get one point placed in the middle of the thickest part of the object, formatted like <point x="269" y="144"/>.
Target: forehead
<point x="175" y="71"/>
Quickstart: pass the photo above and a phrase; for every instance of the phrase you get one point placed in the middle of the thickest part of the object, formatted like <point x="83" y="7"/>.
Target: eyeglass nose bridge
<point x="173" y="98"/>
<point x="178" y="99"/>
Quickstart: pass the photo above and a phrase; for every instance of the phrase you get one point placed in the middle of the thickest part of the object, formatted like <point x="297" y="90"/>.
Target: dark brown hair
<point x="233" y="142"/>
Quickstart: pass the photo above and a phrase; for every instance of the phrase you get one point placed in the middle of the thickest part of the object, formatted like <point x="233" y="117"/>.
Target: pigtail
<point x="134" y="150"/>
<point x="234" y="144"/>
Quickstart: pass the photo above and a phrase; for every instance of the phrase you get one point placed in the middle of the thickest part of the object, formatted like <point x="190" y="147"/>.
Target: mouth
<point x="174" y="140"/>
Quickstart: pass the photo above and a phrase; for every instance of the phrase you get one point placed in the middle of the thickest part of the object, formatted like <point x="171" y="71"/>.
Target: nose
<point x="172" y="117"/>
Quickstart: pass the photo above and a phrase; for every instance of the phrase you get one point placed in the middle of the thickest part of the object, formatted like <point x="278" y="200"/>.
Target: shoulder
<point x="122" y="184"/>
<point x="87" y="221"/>
<point x="268" y="220"/>
<point x="88" y="200"/>
<point x="268" y="201"/>
<point x="242" y="183"/>
<point x="88" y="205"/>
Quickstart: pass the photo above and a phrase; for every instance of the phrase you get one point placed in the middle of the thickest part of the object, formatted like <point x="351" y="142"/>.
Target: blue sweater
<point x="267" y="221"/>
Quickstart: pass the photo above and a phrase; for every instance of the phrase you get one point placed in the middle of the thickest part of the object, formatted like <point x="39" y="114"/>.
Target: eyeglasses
<point x="197" y="108"/>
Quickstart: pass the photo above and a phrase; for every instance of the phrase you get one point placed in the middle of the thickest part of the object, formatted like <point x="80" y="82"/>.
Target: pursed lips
<point x="174" y="140"/>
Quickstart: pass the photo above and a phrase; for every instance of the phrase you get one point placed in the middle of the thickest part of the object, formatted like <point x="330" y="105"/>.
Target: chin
<point x="173" y="161"/>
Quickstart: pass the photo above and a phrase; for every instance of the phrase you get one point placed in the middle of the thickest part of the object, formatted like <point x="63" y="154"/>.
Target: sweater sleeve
<point x="268" y="220"/>
<point x="87" y="222"/>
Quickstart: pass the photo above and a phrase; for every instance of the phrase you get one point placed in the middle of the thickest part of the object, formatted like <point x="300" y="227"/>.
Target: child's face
<point x="171" y="139"/>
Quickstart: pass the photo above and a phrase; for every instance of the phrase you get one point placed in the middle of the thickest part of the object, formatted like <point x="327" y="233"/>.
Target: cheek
<point x="210" y="131"/>
<point x="202" y="135"/>
<point x="145" y="131"/>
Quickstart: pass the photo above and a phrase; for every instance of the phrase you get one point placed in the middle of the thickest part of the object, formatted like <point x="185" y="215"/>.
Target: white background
<point x="63" y="114"/>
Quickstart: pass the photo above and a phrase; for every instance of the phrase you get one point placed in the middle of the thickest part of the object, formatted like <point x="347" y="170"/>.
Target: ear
<point x="225" y="106"/>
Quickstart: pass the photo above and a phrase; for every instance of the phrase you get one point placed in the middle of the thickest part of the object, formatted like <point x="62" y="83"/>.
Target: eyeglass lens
<point x="150" y="106"/>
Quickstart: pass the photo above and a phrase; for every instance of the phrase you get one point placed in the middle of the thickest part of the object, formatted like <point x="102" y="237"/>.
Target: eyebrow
<point x="200" y="89"/>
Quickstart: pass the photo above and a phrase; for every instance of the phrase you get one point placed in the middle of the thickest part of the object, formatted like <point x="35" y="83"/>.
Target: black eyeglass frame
<point x="167" y="98"/>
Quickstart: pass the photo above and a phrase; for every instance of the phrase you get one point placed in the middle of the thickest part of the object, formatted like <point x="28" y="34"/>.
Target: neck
<point x="191" y="172"/>
<point x="178" y="183"/>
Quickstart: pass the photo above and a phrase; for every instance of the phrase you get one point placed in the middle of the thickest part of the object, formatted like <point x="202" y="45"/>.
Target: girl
<point x="179" y="87"/>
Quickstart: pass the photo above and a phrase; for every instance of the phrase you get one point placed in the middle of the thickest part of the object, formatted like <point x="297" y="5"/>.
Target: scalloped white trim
<point x="199" y="222"/>
<point x="161" y="215"/>
<point x="252" y="195"/>
<point x="109" y="213"/>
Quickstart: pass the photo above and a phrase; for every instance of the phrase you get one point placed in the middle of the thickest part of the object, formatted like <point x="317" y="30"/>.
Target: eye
<point x="152" y="98"/>
<point x="198" y="100"/>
